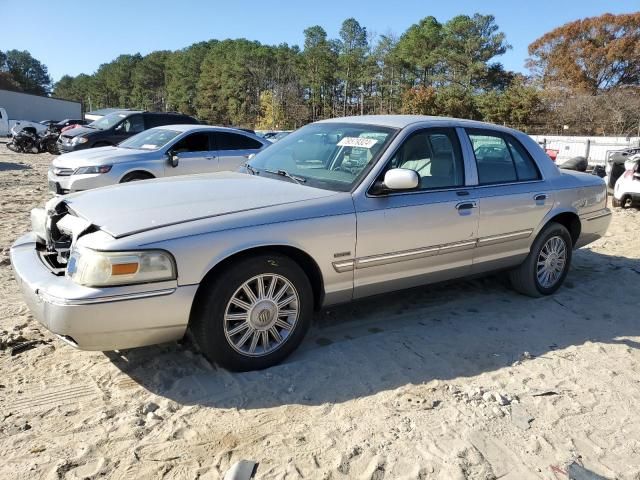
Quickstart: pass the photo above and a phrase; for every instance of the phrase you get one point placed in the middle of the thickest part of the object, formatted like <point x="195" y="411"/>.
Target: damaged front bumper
<point x="110" y="318"/>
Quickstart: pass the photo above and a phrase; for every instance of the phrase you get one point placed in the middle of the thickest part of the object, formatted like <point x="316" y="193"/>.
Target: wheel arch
<point x="569" y="219"/>
<point x="306" y="262"/>
<point x="148" y="174"/>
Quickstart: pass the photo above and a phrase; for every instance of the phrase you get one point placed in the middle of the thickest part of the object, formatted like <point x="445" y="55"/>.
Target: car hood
<point x="97" y="156"/>
<point x="125" y="209"/>
<point x="80" y="131"/>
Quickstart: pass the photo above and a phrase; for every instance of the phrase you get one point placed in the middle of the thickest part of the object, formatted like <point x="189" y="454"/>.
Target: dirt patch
<point x="463" y="380"/>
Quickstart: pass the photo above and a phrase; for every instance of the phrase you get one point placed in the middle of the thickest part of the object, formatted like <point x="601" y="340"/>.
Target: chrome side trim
<point x="505" y="237"/>
<point x="345" y="266"/>
<point x="387" y="258"/>
<point x="597" y="215"/>
<point x="405" y="255"/>
<point x="92" y="301"/>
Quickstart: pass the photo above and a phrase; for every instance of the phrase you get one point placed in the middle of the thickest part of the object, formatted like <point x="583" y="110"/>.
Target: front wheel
<point x="254" y="313"/>
<point x="547" y="264"/>
<point x="135" y="177"/>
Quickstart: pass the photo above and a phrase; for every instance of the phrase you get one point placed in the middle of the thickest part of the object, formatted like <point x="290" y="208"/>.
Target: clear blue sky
<point x="76" y="37"/>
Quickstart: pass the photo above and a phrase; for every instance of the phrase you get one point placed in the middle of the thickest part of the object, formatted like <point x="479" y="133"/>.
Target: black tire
<point x="524" y="278"/>
<point x="578" y="164"/>
<point x="135" y="176"/>
<point x="208" y="315"/>
<point x="625" y="201"/>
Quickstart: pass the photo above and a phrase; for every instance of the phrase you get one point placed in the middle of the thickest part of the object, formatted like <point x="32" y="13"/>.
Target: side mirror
<point x="173" y="159"/>
<point x="401" y="179"/>
<point x="250" y="156"/>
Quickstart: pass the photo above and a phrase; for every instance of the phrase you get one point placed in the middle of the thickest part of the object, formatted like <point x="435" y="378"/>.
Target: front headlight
<point x="93" y="169"/>
<point x="105" y="269"/>
<point x="77" y="140"/>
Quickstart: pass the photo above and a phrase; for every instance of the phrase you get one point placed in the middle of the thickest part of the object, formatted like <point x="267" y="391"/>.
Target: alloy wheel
<point x="551" y="261"/>
<point x="261" y="315"/>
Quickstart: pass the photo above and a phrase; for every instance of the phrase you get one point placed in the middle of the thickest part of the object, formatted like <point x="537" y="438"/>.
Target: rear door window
<point x="133" y="124"/>
<point x="235" y="141"/>
<point x="500" y="158"/>
<point x="525" y="166"/>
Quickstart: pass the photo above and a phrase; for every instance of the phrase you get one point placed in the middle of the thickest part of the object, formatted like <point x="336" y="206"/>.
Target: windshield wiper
<point x="284" y="173"/>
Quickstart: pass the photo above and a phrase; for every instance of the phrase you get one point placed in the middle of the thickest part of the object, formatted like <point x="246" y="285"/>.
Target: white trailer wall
<point x="24" y="106"/>
<point x="595" y="149"/>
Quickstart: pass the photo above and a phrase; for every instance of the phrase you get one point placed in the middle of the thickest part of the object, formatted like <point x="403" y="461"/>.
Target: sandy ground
<point x="463" y="380"/>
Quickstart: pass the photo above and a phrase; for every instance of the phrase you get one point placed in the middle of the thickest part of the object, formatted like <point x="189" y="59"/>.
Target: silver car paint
<point x="351" y="237"/>
<point x="153" y="162"/>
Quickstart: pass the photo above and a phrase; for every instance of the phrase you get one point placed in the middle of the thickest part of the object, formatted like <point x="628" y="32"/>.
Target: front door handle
<point x="466" y="206"/>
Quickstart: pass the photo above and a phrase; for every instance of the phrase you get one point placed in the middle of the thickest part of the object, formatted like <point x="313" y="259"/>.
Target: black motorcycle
<point x="25" y="141"/>
<point x="49" y="141"/>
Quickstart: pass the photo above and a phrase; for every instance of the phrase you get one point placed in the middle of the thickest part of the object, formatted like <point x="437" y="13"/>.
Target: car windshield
<point x="151" y="139"/>
<point x="333" y="156"/>
<point x="108" y="121"/>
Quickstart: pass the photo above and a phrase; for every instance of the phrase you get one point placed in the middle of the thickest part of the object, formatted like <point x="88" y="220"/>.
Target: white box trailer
<point x="595" y="149"/>
<point x="26" y="107"/>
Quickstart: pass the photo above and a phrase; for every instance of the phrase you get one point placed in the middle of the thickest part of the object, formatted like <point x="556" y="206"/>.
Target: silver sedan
<point x="338" y="210"/>
<point x="158" y="152"/>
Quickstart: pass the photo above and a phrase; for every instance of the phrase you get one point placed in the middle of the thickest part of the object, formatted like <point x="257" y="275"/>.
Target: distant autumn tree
<point x="589" y="55"/>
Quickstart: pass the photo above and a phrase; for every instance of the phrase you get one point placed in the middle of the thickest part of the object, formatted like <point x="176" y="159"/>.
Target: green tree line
<point x="436" y="68"/>
<point x="584" y="77"/>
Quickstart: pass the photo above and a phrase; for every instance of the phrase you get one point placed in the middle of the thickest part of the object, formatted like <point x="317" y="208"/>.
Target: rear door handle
<point x="540" y="197"/>
<point x="466" y="205"/>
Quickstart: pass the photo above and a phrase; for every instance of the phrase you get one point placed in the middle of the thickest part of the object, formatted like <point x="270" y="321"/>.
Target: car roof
<point x="188" y="127"/>
<point x="403" y="121"/>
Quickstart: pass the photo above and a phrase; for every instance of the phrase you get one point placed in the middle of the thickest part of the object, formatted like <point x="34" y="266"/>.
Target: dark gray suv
<point x="116" y="127"/>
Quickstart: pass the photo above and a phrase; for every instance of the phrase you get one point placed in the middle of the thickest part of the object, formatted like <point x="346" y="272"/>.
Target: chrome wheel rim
<point x="551" y="262"/>
<point x="261" y="315"/>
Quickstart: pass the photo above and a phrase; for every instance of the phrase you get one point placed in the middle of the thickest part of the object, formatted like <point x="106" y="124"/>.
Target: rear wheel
<point x="625" y="201"/>
<point x="254" y="313"/>
<point x="547" y="264"/>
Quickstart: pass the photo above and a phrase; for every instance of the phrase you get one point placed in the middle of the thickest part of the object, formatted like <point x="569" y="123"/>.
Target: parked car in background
<point x="116" y="127"/>
<point x="69" y="122"/>
<point x="158" y="152"/>
<point x="275" y="135"/>
<point x="338" y="210"/>
<point x="626" y="192"/>
<point x="614" y="166"/>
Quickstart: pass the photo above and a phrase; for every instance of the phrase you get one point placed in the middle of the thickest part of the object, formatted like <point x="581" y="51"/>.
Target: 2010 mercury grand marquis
<point x="336" y="211"/>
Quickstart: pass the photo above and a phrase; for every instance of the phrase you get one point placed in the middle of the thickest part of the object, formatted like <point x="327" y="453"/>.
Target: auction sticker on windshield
<point x="357" y="142"/>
